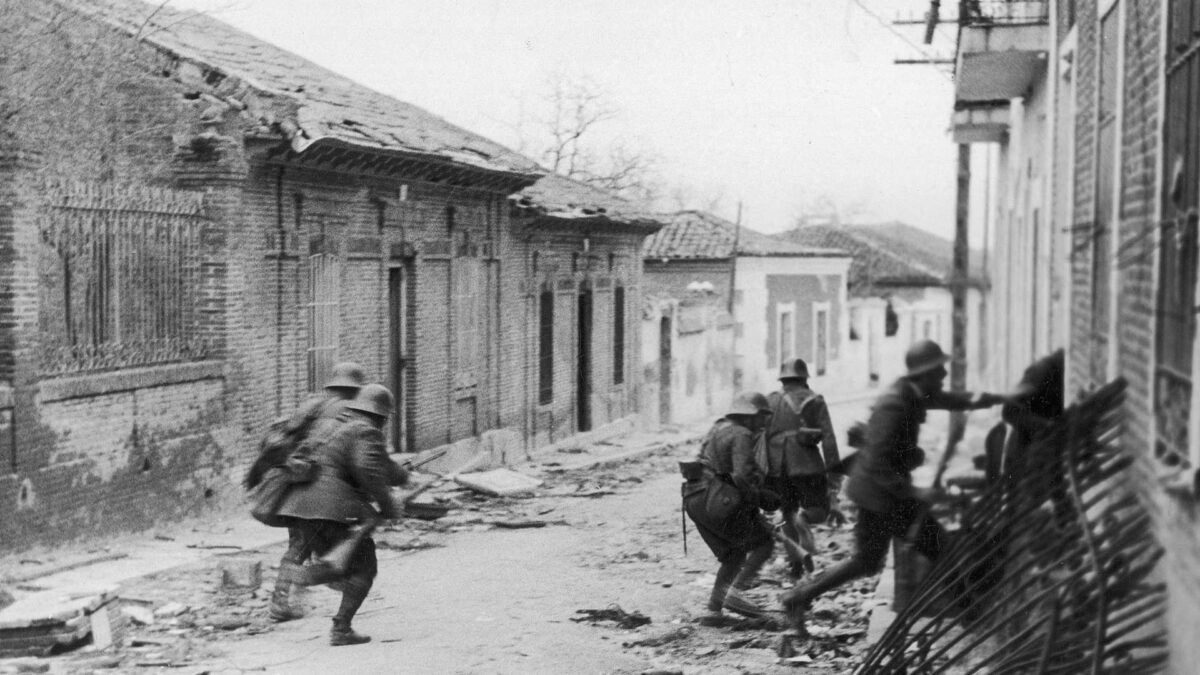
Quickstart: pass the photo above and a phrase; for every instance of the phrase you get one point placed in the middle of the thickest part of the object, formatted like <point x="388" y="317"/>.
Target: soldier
<point x="344" y="383"/>
<point x="353" y="472"/>
<point x="798" y="471"/>
<point x="881" y="480"/>
<point x="740" y="539"/>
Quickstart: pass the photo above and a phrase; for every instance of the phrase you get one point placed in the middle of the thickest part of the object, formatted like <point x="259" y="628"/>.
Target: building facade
<point x="1096" y="247"/>
<point x="784" y="300"/>
<point x="196" y="225"/>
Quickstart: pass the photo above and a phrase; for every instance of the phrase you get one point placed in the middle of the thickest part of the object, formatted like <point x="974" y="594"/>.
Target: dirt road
<point x="466" y="594"/>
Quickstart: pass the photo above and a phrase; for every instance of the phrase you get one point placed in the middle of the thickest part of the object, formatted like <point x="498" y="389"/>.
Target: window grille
<point x="120" y="282"/>
<point x="1106" y="188"/>
<point x="324" y="292"/>
<point x="1176" y="319"/>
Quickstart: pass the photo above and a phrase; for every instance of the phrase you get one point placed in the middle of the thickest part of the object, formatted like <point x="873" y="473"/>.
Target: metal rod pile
<point x="1049" y="570"/>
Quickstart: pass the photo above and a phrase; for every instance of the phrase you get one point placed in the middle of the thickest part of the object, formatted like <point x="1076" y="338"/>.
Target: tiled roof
<point x="699" y="235"/>
<point x="891" y="254"/>
<point x="308" y="102"/>
<point x="567" y="200"/>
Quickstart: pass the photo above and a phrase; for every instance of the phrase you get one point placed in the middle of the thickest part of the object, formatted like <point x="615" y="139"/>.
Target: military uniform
<point x="742" y="541"/>
<point x="880" y="481"/>
<point x="352" y="473"/>
<point x="796" y="465"/>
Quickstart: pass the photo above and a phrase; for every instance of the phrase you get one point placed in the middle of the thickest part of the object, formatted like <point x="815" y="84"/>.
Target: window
<point x="467" y="296"/>
<point x="119" y="282"/>
<point x="786" y="331"/>
<point x="891" y="321"/>
<point x="324" y="291"/>
<point x="618" y="341"/>
<point x="856" y="318"/>
<point x="1175" y="329"/>
<point x="820" y="339"/>
<point x="1106" y="188"/>
<point x="546" y="347"/>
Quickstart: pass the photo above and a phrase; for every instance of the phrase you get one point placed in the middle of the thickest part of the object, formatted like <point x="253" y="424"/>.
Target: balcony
<point x="984" y="124"/>
<point x="1002" y="50"/>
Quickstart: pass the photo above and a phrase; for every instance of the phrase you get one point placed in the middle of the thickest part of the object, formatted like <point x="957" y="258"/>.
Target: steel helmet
<point x="374" y="399"/>
<point x="923" y="356"/>
<point x="793" y="369"/>
<point x="748" y="403"/>
<point x="347" y="374"/>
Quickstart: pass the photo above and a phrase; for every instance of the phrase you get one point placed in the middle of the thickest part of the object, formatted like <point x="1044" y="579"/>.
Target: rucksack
<point x="280" y="446"/>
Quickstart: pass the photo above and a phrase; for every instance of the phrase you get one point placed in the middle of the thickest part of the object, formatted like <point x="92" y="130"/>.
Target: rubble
<point x="613" y="612"/>
<point x="43" y="623"/>
<point x="498" y="482"/>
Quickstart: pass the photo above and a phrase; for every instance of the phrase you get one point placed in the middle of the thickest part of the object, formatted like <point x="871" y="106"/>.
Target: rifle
<point x="410" y="465"/>
<point x="333" y="565"/>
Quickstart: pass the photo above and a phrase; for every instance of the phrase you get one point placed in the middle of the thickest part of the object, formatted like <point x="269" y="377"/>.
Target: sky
<point x="773" y="104"/>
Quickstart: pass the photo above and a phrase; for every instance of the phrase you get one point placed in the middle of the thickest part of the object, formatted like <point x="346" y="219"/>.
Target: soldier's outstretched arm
<point x="372" y="471"/>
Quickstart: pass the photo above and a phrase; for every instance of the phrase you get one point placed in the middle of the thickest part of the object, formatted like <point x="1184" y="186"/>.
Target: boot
<point x="725" y="574"/>
<point x="342" y="634"/>
<point x="739" y="604"/>
<point x="281" y="609"/>
<point x="748" y="575"/>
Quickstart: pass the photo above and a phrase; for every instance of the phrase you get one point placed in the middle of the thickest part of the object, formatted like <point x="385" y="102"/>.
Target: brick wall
<point x="612" y="259"/>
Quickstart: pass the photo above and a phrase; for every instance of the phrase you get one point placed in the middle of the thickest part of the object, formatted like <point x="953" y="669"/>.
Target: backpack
<point x="281" y="447"/>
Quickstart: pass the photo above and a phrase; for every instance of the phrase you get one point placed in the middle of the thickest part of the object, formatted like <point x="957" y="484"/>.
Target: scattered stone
<point x="706" y="651"/>
<point x="613" y="613"/>
<point x="6" y="598"/>
<point x="661" y="638"/>
<point x="24" y="666"/>
<point x="171" y="609"/>
<point x="44" y="622"/>
<point x="241" y="574"/>
<point x="498" y="482"/>
<point x="228" y="623"/>
<point x="661" y="671"/>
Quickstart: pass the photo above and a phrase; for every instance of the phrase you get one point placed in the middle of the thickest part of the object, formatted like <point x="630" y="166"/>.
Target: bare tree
<point x="566" y="132"/>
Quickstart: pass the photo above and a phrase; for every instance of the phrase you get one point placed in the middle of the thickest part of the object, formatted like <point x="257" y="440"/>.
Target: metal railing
<point x="1005" y="12"/>
<point x="1049" y="571"/>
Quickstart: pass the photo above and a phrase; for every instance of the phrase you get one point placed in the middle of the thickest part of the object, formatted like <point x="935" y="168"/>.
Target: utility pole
<point x="959" y="274"/>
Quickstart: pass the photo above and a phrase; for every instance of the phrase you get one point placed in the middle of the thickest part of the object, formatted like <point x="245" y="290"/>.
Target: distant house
<point x="197" y="225"/>
<point x="785" y="300"/>
<point x="898" y="293"/>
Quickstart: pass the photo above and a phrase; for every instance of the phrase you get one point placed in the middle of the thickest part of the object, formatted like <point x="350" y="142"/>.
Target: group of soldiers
<point x="779" y="452"/>
<point x="342" y="488"/>
<point x="324" y="473"/>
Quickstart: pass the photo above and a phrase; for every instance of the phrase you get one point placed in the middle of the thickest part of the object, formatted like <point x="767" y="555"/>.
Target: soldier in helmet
<point x="881" y="478"/>
<point x="344" y="383"/>
<point x="741" y="540"/>
<point x="351" y="486"/>
<point x="798" y="470"/>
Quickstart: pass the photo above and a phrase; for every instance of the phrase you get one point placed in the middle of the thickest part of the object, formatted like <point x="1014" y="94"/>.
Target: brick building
<point x="581" y="295"/>
<point x="196" y="225"/>
<point x="898" y="293"/>
<point x="785" y="299"/>
<point x="1092" y="106"/>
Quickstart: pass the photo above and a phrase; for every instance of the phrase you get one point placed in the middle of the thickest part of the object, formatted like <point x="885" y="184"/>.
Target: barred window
<point x="1175" y="329"/>
<point x="120" y="280"/>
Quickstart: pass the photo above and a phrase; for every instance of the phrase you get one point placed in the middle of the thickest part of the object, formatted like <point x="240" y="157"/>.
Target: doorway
<point x="664" y="370"/>
<point x="583" y="389"/>
<point x="398" y="356"/>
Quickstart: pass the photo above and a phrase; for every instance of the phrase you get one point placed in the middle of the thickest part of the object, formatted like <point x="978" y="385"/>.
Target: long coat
<point x="728" y="451"/>
<point x="799" y="421"/>
<point x="881" y="479"/>
<point x="353" y="471"/>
